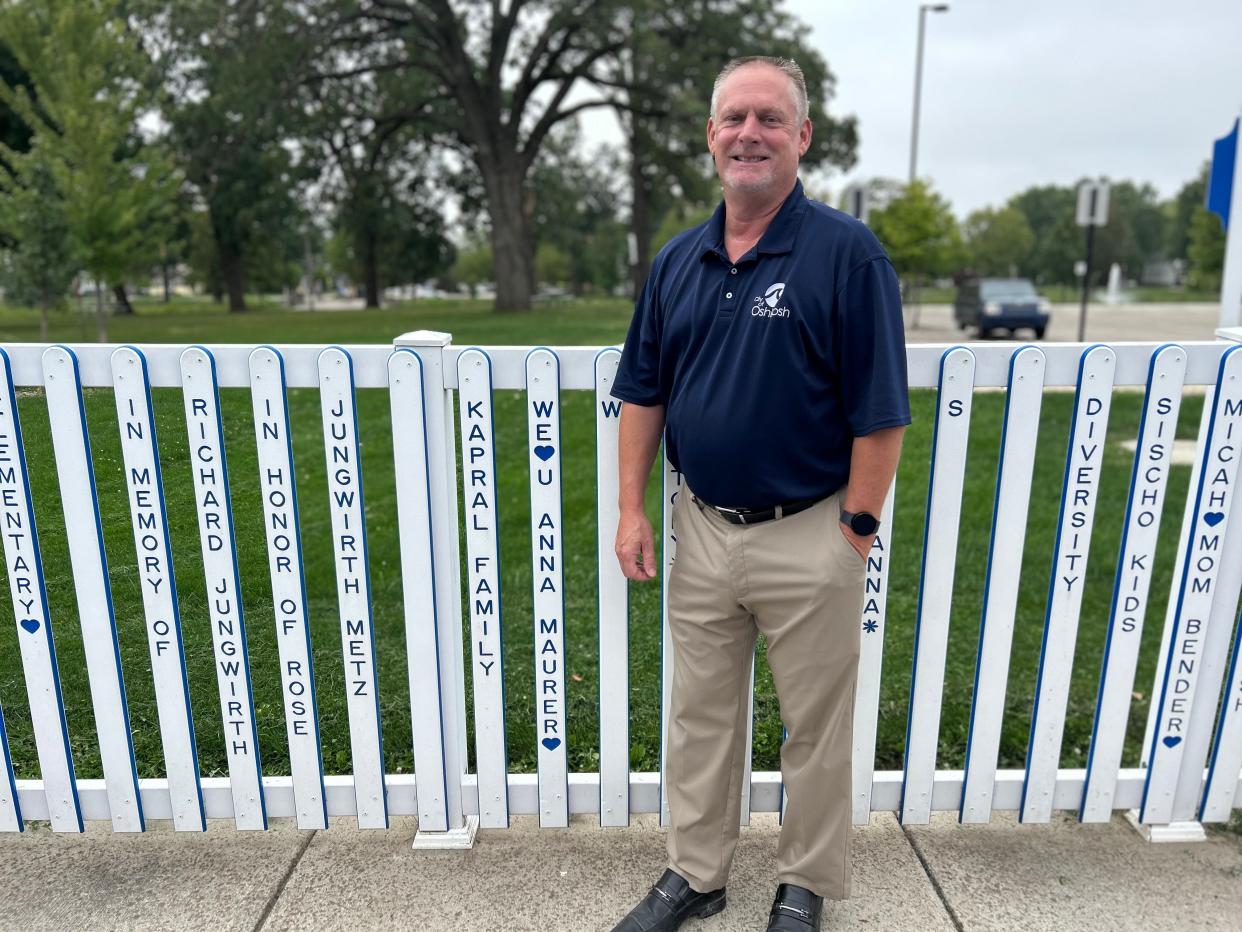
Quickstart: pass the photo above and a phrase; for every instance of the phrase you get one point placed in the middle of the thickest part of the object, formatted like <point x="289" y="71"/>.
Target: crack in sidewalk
<point x="931" y="875"/>
<point x="284" y="881"/>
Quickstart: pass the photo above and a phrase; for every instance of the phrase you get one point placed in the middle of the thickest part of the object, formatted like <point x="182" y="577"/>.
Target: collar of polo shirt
<point x="778" y="238"/>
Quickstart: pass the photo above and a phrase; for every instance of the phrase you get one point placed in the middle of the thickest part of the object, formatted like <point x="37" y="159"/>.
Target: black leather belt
<point x="757" y="515"/>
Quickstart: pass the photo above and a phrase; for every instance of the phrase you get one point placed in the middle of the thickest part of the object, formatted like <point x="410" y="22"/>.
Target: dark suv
<point x="1009" y="304"/>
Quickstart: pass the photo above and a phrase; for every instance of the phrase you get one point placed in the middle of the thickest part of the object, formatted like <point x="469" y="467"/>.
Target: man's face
<point x="755" y="137"/>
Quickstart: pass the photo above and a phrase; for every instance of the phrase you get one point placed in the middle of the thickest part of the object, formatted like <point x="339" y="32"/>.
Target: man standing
<point x="767" y="346"/>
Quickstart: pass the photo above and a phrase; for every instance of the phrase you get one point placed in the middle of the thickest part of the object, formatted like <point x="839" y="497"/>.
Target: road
<point x="933" y="323"/>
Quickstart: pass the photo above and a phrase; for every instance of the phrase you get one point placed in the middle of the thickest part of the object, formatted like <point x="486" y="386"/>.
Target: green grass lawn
<point x="598" y="322"/>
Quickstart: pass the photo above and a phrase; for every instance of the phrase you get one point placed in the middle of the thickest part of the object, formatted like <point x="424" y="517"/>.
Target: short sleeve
<point x="638" y="376"/>
<point x="870" y="348"/>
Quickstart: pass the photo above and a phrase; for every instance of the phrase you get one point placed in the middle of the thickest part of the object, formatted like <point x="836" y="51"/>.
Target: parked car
<point x="991" y="304"/>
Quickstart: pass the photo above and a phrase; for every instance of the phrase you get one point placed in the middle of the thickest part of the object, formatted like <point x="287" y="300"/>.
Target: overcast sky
<point x="1023" y="92"/>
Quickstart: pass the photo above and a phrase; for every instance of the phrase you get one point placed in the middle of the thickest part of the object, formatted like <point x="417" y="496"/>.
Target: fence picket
<point x="871" y="660"/>
<point x="1220" y="792"/>
<point x="28" y="591"/>
<point x="672" y="487"/>
<point x="543" y="418"/>
<point x="1079" y="493"/>
<point x="1014" y="471"/>
<point x="1213" y="496"/>
<point x="931" y="632"/>
<point x="474" y="376"/>
<point x="1153" y="455"/>
<point x="1179" y="562"/>
<point x="92" y="589"/>
<point x="1188" y="797"/>
<point x="209" y="470"/>
<point x="353" y="583"/>
<point x="279" y="491"/>
<point x="613" y="607"/>
<point x="159" y="604"/>
<point x="10" y="805"/>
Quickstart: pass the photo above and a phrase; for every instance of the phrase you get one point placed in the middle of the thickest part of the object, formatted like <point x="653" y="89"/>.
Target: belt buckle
<point x="736" y="512"/>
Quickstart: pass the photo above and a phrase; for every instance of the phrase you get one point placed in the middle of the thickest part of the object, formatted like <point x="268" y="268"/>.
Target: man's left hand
<point x="859" y="543"/>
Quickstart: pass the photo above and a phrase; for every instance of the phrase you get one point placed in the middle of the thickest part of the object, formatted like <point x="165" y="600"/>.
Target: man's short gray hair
<point x="786" y="66"/>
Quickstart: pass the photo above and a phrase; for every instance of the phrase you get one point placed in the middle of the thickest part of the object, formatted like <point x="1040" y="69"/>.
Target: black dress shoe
<point x="670" y="903"/>
<point x="796" y="909"/>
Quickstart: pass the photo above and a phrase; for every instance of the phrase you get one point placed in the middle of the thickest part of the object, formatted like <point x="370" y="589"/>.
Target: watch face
<point x="864" y="524"/>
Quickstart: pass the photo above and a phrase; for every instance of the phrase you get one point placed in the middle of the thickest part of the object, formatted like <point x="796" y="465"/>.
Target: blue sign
<point x="1220" y="180"/>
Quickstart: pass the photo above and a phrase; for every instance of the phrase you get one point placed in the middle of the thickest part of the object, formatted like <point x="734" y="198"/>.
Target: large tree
<point x="377" y="165"/>
<point x="998" y="242"/>
<point x="91" y="81"/>
<point x="1180" y="213"/>
<point x="501" y="77"/>
<point x="40" y="263"/>
<point x="1049" y="212"/>
<point x="920" y="234"/>
<point x="1205" y="250"/>
<point x="230" y="74"/>
<point x="576" y="205"/>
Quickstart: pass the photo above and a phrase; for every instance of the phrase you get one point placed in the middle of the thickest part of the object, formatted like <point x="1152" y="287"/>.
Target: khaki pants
<point x="798" y="580"/>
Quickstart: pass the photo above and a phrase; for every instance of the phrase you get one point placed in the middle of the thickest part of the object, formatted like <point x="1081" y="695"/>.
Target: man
<point x="767" y="346"/>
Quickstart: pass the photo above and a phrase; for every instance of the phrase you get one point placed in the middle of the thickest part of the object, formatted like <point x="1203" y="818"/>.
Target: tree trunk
<point x="640" y="216"/>
<point x="369" y="252"/>
<point x="43" y="322"/>
<point x="122" y="300"/>
<point x="101" y="318"/>
<point x="234" y="281"/>
<point x="167" y="282"/>
<point x="513" y="254"/>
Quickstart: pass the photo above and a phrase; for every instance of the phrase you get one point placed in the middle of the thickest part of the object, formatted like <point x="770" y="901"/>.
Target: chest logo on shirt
<point x="768" y="305"/>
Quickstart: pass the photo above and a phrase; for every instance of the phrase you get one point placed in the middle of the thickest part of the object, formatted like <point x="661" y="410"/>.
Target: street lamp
<point x="918" y="80"/>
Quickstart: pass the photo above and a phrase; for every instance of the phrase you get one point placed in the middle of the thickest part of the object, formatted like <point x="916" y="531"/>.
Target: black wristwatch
<point x="862" y="523"/>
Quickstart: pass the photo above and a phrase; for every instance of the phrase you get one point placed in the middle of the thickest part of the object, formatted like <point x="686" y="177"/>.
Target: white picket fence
<point x="1194" y="742"/>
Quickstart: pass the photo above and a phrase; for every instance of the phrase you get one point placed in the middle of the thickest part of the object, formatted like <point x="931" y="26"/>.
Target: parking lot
<point x="933" y="323"/>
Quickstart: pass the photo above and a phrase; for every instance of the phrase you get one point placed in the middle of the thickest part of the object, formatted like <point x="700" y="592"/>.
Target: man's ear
<point x="711" y="136"/>
<point x="804" y="137"/>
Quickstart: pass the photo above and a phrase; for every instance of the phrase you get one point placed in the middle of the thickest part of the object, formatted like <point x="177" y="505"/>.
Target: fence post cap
<point x="1230" y="333"/>
<point x="423" y="338"/>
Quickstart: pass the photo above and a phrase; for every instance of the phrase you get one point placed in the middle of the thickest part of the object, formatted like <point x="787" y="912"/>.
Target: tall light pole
<point x="918" y="81"/>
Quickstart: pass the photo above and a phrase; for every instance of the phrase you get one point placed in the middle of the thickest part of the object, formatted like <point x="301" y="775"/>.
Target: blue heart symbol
<point x="1213" y="518"/>
<point x="1172" y="741"/>
<point x="30" y="625"/>
<point x="551" y="743"/>
<point x="544" y="453"/>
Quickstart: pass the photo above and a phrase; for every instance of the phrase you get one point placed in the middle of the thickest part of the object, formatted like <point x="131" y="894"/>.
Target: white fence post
<point x="547" y="530"/>
<point x="1014" y="471"/>
<point x="223" y="593"/>
<point x="1084" y="460"/>
<point x="342" y="453"/>
<point x="452" y="829"/>
<point x="931" y="632"/>
<point x="1153" y="460"/>
<point x="283" y="533"/>
<point x="1221" y="785"/>
<point x="871" y="660"/>
<point x="613" y="607"/>
<point x="1192" y="639"/>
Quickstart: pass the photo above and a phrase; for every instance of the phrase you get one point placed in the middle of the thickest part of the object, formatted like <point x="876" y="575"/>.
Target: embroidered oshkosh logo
<point x="767" y="305"/>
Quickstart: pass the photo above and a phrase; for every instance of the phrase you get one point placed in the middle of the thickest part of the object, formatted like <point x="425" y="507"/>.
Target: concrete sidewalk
<point x="926" y="878"/>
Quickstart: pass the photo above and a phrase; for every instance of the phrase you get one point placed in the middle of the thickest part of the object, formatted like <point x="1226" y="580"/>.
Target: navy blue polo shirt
<point x="770" y="366"/>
